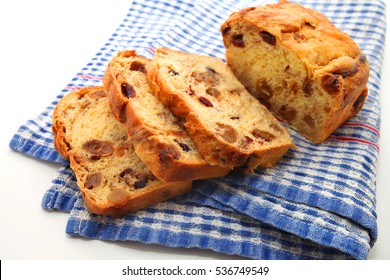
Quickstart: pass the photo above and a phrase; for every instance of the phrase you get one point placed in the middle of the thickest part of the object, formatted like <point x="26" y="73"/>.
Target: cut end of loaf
<point x="299" y="65"/>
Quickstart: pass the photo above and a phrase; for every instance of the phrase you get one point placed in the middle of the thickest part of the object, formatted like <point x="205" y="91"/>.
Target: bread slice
<point x="229" y="126"/>
<point x="296" y="62"/>
<point x="159" y="138"/>
<point x="112" y="178"/>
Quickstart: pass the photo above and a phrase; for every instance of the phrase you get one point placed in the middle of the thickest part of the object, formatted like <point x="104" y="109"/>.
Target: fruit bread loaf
<point x="297" y="63"/>
<point x="159" y="138"/>
<point x="112" y="178"/>
<point x="229" y="126"/>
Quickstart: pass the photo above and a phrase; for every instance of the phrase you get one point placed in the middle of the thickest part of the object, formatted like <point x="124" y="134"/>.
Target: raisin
<point x="226" y="30"/>
<point x="294" y="87"/>
<point x="128" y="90"/>
<point x="173" y="72"/>
<point x="126" y="172"/>
<point x="267" y="136"/>
<point x="309" y="121"/>
<point x="169" y="153"/>
<point x="138" y="66"/>
<point x="268" y="37"/>
<point x="213" y="92"/>
<point x="306" y="87"/>
<point x="235" y="118"/>
<point x="98" y="148"/>
<point x="287" y="113"/>
<point x="207" y="77"/>
<point x="93" y="181"/>
<point x="183" y="146"/>
<point x="246" y="141"/>
<point x="227" y="132"/>
<point x="141" y="183"/>
<point x="331" y="83"/>
<point x="205" y="101"/>
<point x="359" y="101"/>
<point x="238" y="40"/>
<point x="345" y="72"/>
<point x="263" y="90"/>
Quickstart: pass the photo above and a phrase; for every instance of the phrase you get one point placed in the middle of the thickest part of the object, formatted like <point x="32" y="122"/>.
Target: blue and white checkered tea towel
<point x="317" y="203"/>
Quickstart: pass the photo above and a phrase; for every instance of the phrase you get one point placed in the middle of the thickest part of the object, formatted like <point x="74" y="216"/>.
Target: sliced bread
<point x="159" y="137"/>
<point x="228" y="125"/>
<point x="113" y="180"/>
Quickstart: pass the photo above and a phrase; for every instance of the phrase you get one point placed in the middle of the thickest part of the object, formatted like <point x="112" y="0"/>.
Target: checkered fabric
<point x="317" y="203"/>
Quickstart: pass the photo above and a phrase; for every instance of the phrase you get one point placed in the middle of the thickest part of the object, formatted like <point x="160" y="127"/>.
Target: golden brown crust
<point x="328" y="65"/>
<point x="189" y="96"/>
<point x="112" y="178"/>
<point x="163" y="145"/>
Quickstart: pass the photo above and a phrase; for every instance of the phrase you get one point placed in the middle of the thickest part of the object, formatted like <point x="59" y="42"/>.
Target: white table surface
<point x="43" y="45"/>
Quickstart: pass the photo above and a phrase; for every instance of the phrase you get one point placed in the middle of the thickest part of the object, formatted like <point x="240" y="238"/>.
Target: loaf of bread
<point x="228" y="125"/>
<point x="159" y="138"/>
<point x="297" y="63"/>
<point x="112" y="178"/>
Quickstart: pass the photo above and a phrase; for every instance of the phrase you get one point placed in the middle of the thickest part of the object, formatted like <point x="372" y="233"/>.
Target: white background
<point x="43" y="45"/>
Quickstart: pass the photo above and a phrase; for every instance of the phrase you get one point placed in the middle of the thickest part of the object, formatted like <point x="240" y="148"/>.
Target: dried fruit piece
<point x="213" y="92"/>
<point x="263" y="90"/>
<point x="169" y="153"/>
<point x="141" y="183"/>
<point x="331" y="83"/>
<point x="98" y="148"/>
<point x="227" y="132"/>
<point x="345" y="72"/>
<point x="246" y="141"/>
<point x="359" y="101"/>
<point x="238" y="40"/>
<point x="265" y="135"/>
<point x="173" y="72"/>
<point x="126" y="172"/>
<point x="226" y="30"/>
<point x="93" y="181"/>
<point x="208" y="76"/>
<point x="268" y="37"/>
<point x="306" y="87"/>
<point x="117" y="196"/>
<point x="287" y="113"/>
<point x="183" y="146"/>
<point x="205" y="101"/>
<point x="138" y="66"/>
<point x="128" y="90"/>
<point x="308" y="119"/>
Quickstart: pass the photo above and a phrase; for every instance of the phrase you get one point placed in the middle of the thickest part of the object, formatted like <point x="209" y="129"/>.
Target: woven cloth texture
<point x="318" y="202"/>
